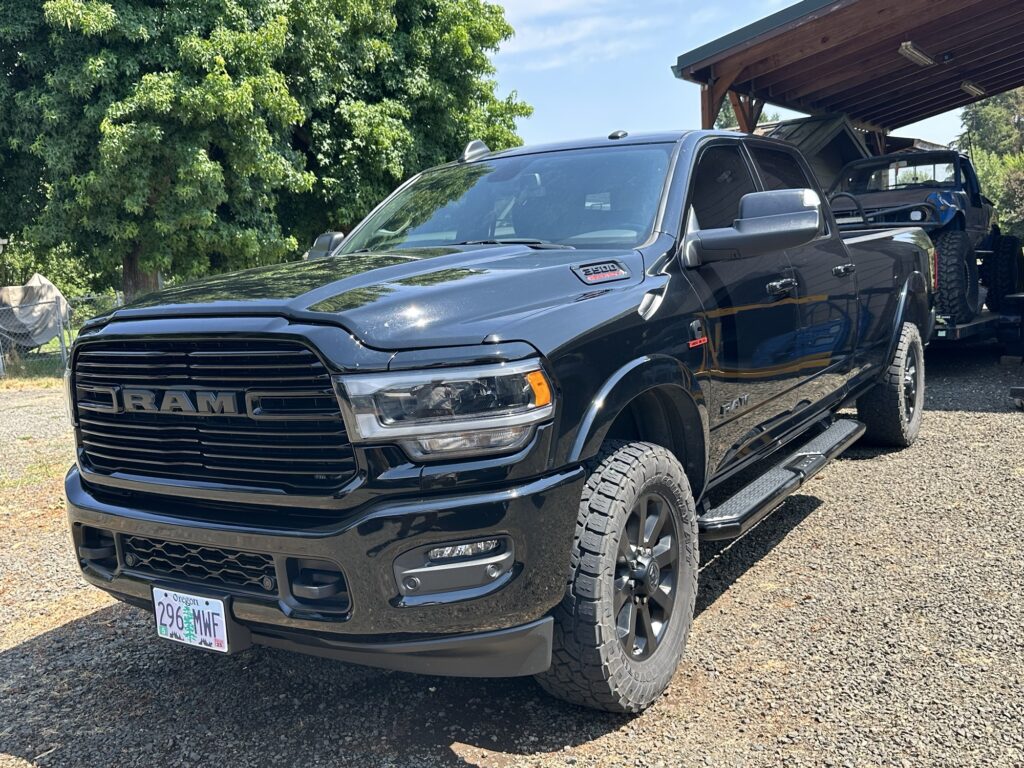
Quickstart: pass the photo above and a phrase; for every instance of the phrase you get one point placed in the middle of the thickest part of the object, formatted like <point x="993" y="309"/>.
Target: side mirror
<point x="768" y="221"/>
<point x="325" y="245"/>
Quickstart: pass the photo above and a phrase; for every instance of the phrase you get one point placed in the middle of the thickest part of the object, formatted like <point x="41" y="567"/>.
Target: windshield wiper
<point x="530" y="242"/>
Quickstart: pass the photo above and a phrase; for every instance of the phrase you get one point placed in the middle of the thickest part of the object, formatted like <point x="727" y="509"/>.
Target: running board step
<point x="741" y="512"/>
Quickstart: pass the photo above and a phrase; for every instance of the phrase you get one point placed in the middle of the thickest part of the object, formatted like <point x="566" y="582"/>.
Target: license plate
<point x="191" y="619"/>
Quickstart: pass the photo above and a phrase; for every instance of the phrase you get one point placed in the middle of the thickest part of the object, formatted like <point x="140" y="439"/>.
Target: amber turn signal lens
<point x="541" y="390"/>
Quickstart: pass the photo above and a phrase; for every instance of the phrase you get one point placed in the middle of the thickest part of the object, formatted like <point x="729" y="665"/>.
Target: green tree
<point x="995" y="124"/>
<point x="994" y="135"/>
<point x="727" y="117"/>
<point x="188" y="620"/>
<point x="181" y="137"/>
<point x="391" y="92"/>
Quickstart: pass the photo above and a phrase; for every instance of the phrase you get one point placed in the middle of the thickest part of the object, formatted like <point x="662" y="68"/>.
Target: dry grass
<point x="16" y="383"/>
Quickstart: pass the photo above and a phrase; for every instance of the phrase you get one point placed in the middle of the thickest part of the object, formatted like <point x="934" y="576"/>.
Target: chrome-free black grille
<point x="286" y="435"/>
<point x="193" y="563"/>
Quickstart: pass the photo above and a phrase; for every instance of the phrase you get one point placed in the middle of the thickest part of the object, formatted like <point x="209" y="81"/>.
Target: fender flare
<point x="622" y="387"/>
<point x="913" y="307"/>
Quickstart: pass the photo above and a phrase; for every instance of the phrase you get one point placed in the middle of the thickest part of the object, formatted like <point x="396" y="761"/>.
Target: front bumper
<point x="500" y="629"/>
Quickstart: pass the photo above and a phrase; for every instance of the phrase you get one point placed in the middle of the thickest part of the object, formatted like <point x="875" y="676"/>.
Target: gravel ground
<point x="875" y="619"/>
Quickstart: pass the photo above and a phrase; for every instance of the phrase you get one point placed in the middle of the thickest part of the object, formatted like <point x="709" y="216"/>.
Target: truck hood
<point x="404" y="299"/>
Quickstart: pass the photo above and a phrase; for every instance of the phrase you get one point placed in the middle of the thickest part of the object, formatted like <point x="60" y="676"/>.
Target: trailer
<point x="1006" y="328"/>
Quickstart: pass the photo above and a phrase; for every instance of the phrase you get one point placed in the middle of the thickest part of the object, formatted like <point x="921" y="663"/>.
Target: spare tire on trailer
<point x="1004" y="266"/>
<point x="958" y="277"/>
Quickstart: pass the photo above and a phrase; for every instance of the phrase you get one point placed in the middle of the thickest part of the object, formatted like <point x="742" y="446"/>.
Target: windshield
<point x="586" y="198"/>
<point x="901" y="174"/>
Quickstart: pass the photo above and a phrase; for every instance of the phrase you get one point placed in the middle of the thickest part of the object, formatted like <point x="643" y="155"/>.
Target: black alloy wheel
<point x="910" y="365"/>
<point x="893" y="409"/>
<point x="623" y="622"/>
<point x="645" y="576"/>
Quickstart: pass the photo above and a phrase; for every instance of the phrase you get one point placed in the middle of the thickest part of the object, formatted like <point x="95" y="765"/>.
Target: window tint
<point x="779" y="169"/>
<point x="605" y="197"/>
<point x="721" y="181"/>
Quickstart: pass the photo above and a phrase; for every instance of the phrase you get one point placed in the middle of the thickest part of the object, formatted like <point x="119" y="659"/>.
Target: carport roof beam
<point x="835" y="56"/>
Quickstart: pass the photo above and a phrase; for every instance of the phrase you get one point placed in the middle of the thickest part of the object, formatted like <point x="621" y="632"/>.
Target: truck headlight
<point x="448" y="413"/>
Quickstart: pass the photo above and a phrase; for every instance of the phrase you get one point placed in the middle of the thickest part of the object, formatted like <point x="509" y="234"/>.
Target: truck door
<point x="978" y="213"/>
<point x="751" y="315"/>
<point x="827" y="292"/>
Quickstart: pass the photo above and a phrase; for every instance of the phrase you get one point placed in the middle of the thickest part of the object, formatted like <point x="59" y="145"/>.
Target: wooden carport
<point x="882" y="63"/>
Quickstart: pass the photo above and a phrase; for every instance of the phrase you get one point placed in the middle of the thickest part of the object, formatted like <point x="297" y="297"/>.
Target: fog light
<point x="471" y="549"/>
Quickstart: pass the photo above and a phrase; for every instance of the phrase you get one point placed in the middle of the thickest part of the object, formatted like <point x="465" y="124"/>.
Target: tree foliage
<point x="994" y="125"/>
<point x="182" y="136"/>
<point x="994" y="135"/>
<point x="727" y="117"/>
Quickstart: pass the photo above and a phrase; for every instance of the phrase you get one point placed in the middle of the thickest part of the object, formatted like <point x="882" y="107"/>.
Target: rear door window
<point x="779" y="169"/>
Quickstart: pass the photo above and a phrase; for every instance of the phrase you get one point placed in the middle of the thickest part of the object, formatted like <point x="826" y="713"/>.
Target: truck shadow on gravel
<point x="103" y="690"/>
<point x="722" y="563"/>
<point x="970" y="378"/>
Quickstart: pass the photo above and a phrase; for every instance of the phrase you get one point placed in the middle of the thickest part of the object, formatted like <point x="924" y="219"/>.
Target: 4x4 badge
<point x="600" y="272"/>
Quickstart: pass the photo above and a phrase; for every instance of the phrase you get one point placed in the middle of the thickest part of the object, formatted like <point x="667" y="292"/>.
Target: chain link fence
<point x="35" y="338"/>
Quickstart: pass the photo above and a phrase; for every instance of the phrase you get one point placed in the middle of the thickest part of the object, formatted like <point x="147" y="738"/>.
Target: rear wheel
<point x="1003" y="272"/>
<point x="958" y="277"/>
<point x="622" y="625"/>
<point x="893" y="408"/>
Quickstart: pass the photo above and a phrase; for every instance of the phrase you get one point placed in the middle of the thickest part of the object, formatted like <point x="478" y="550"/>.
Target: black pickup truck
<point x="487" y="433"/>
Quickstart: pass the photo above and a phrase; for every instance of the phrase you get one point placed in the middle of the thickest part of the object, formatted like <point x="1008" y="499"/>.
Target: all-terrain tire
<point x="1003" y="271"/>
<point x="590" y="664"/>
<point x="958" y="277"/>
<point x="892" y="410"/>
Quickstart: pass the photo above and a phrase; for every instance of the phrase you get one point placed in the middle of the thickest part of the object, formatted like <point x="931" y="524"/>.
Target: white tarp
<point x="31" y="314"/>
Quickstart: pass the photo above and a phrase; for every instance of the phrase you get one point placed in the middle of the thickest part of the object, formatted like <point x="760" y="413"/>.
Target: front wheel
<point x="892" y="410"/>
<point x="622" y="625"/>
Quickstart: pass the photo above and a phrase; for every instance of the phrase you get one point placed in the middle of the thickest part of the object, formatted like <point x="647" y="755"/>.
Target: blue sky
<point x="592" y="66"/>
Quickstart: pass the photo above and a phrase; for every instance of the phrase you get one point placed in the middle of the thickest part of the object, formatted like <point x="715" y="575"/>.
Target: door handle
<point x="844" y="269"/>
<point x="782" y="287"/>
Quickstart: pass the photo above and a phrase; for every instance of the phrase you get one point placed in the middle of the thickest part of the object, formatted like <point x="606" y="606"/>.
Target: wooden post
<point x="879" y="142"/>
<point x="712" y="94"/>
<point x="747" y="110"/>
<point x="710" y="104"/>
<point x="756" y="109"/>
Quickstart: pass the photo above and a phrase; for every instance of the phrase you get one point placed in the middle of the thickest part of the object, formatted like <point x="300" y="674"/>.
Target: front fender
<point x="628" y="382"/>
